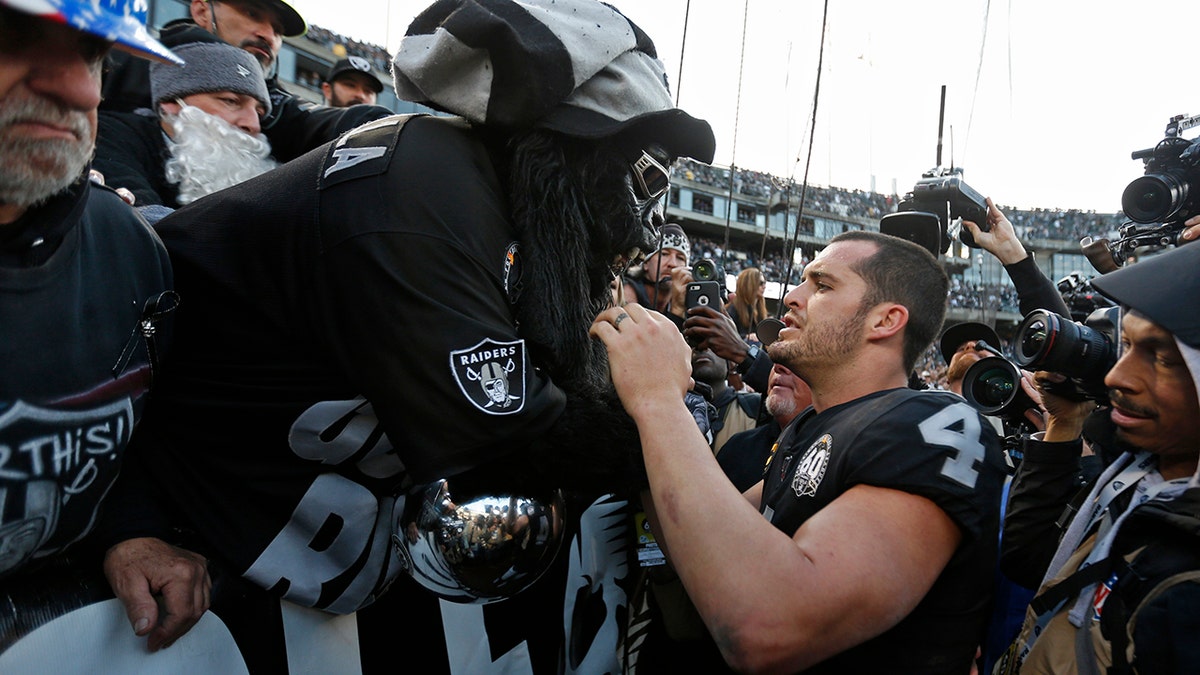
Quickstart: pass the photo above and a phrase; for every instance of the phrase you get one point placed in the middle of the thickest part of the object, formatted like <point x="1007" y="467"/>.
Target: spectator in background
<point x="748" y="306"/>
<point x="744" y="456"/>
<point x="661" y="280"/>
<point x="85" y="285"/>
<point x="205" y="136"/>
<point x="351" y="82"/>
<point x="293" y="126"/>
<point x="707" y="328"/>
<point x="736" y="411"/>
<point x="958" y="349"/>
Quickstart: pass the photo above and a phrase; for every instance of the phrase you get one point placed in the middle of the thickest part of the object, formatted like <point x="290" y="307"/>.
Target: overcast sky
<point x="1045" y="99"/>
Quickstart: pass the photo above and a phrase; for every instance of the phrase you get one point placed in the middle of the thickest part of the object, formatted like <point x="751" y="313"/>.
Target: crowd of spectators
<point x="1059" y="224"/>
<point x="378" y="56"/>
<point x="964" y="294"/>
<point x="773" y="265"/>
<point x="967" y="295"/>
<point x="1042" y="223"/>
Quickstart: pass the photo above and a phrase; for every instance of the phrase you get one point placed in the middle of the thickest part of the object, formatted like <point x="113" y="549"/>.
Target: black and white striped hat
<point x="578" y="67"/>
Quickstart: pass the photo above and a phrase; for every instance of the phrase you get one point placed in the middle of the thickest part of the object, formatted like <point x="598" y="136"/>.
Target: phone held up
<point x="703" y="294"/>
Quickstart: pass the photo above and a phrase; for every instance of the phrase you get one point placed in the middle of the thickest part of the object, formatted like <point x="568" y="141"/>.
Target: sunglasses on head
<point x="651" y="180"/>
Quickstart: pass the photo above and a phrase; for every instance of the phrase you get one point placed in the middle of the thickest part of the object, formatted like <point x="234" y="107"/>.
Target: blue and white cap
<point x="122" y="22"/>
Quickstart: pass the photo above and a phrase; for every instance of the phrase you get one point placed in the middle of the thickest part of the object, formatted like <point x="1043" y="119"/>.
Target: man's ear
<point x="887" y="319"/>
<point x="169" y="108"/>
<point x="327" y="91"/>
<point x="202" y="14"/>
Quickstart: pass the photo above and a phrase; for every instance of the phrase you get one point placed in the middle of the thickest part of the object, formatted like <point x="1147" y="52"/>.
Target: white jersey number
<point x="956" y="427"/>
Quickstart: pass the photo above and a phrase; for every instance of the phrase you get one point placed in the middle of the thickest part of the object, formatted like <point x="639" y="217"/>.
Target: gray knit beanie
<point x="211" y="67"/>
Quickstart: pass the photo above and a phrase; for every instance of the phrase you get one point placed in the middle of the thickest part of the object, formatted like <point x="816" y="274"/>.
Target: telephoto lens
<point x="1156" y="197"/>
<point x="704" y="270"/>
<point x="1046" y="341"/>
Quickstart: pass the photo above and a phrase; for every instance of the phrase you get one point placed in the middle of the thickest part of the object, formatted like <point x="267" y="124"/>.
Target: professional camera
<point x="1164" y="197"/>
<point x="992" y="385"/>
<point x="707" y="269"/>
<point x="1169" y="190"/>
<point x="1084" y="352"/>
<point x="926" y="213"/>
<point x="1081" y="297"/>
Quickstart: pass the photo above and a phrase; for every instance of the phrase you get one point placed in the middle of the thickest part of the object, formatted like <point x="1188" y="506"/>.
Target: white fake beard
<point x="33" y="170"/>
<point x="210" y="154"/>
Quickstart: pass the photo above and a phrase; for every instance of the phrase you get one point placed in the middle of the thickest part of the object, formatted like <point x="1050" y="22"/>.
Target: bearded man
<point x="349" y="314"/>
<point x="85" y="286"/>
<point x="205" y="136"/>
<point x="293" y="126"/>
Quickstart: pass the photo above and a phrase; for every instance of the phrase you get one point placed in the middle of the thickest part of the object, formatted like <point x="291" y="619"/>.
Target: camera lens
<point x="1155" y="197"/>
<point x="992" y="386"/>
<point x="1033" y="335"/>
<point x="1046" y="341"/>
<point x="704" y="270"/>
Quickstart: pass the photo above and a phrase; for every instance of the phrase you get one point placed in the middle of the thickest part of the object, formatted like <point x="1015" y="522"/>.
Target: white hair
<point x="210" y="154"/>
<point x="779" y="405"/>
<point x="34" y="169"/>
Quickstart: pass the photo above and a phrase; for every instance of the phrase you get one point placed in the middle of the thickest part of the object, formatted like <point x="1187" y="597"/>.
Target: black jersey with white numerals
<point x="926" y="443"/>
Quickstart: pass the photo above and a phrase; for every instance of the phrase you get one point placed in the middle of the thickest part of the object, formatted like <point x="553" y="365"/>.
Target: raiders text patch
<point x="492" y="375"/>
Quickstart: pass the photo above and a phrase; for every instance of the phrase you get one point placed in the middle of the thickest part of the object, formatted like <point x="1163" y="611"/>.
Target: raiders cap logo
<point x="492" y="375"/>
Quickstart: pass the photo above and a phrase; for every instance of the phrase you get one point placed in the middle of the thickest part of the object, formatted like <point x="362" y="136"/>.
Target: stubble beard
<point x="819" y="346"/>
<point x="33" y="170"/>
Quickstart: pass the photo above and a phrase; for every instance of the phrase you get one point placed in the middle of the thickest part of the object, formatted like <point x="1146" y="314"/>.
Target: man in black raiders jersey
<point x="875" y="546"/>
<point x="411" y="303"/>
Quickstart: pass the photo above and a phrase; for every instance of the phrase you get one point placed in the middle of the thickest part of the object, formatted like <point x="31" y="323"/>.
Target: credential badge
<point x="812" y="467"/>
<point x="492" y="375"/>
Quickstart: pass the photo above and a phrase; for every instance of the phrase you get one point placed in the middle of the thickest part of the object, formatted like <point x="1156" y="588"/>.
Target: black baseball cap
<point x="355" y="64"/>
<point x="293" y="24"/>
<point x="1162" y="288"/>
<point x="965" y="332"/>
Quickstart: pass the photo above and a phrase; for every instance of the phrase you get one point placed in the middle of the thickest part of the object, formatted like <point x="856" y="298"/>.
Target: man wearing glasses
<point x="411" y="303"/>
<point x="293" y="126"/>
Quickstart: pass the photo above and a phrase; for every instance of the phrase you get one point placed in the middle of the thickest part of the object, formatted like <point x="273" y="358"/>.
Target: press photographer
<point x="978" y="371"/>
<point x="1135" y="529"/>
<point x="661" y="281"/>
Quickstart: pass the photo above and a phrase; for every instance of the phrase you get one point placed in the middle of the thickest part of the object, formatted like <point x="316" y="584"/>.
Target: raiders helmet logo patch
<point x="812" y="467"/>
<point x="492" y="375"/>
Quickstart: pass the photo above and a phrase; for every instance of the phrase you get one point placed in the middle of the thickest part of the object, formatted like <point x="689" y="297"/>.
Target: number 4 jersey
<point x="927" y="443"/>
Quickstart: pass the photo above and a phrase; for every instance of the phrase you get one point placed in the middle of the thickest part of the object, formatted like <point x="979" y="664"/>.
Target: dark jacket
<point x="294" y="126"/>
<point x="131" y="152"/>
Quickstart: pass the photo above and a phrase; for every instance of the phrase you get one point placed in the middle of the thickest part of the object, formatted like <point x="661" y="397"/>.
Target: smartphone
<point x="704" y="294"/>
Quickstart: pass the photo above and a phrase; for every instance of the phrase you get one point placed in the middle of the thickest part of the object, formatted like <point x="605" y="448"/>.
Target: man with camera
<point x="1133" y="533"/>
<point x="873" y="549"/>
<point x="661" y="284"/>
